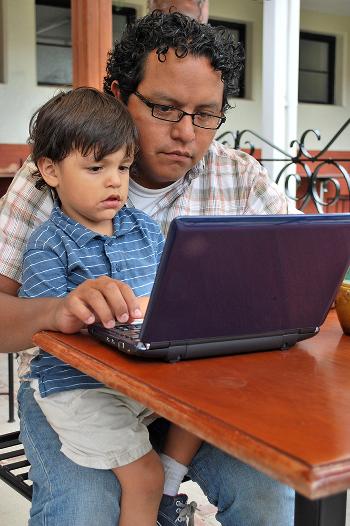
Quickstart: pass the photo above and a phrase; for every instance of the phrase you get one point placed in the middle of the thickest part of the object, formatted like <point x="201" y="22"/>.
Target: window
<point x="53" y="39"/>
<point x="53" y="42"/>
<point x="239" y="32"/>
<point x="316" y="68"/>
<point x="121" y="16"/>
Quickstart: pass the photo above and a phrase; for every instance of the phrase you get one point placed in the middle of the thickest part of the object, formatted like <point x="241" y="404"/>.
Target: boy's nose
<point x="113" y="179"/>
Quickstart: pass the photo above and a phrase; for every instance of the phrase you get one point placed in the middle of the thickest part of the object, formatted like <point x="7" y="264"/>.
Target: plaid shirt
<point x="224" y="182"/>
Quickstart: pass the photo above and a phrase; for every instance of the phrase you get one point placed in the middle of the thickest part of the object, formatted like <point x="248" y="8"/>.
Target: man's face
<point x="168" y="150"/>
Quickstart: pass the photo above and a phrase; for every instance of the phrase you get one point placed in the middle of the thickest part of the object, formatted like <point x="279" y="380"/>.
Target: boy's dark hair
<point x="162" y="31"/>
<point x="83" y="119"/>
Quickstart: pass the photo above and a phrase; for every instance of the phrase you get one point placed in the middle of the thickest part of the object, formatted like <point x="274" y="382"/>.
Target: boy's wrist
<point x="49" y="320"/>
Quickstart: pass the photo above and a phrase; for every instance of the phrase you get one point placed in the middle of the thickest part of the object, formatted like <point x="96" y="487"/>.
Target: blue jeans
<point x="70" y="495"/>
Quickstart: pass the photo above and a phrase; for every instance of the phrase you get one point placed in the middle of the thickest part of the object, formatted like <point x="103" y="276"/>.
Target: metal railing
<point x="316" y="182"/>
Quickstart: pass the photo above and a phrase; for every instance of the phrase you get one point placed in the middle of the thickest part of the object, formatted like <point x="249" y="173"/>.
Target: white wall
<point x="329" y="118"/>
<point x="20" y="95"/>
<point x="246" y="114"/>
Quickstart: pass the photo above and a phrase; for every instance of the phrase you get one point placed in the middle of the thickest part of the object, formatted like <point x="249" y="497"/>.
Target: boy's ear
<point x="48" y="171"/>
<point x="115" y="89"/>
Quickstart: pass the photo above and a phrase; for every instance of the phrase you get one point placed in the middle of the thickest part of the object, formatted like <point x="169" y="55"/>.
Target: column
<point x="91" y="40"/>
<point x="280" y="77"/>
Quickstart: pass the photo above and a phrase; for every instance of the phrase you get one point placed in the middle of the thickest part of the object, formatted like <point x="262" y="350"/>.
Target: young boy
<point x="83" y="144"/>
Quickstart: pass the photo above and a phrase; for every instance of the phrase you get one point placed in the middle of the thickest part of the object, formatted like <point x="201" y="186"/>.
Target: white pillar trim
<point x="280" y="76"/>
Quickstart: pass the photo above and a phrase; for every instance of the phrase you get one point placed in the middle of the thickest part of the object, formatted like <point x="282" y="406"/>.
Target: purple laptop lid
<point x="227" y="277"/>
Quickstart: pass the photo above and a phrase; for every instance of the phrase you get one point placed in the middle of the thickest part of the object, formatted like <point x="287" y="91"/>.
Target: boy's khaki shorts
<point x="98" y="428"/>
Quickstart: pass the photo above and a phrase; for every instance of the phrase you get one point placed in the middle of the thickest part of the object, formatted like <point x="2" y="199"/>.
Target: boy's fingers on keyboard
<point x="88" y="303"/>
<point x="123" y="302"/>
<point x="78" y="309"/>
<point x="103" y="299"/>
<point x="97" y="301"/>
<point x="109" y="300"/>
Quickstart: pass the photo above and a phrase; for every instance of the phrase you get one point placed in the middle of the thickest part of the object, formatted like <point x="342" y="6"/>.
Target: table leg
<point x="329" y="511"/>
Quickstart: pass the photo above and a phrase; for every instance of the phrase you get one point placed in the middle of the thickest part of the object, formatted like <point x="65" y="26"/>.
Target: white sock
<point x="174" y="473"/>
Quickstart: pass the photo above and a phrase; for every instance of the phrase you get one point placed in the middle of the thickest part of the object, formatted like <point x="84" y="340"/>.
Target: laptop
<point x="237" y="284"/>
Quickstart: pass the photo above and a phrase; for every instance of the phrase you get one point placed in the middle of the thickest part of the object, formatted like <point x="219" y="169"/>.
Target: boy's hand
<point x="103" y="299"/>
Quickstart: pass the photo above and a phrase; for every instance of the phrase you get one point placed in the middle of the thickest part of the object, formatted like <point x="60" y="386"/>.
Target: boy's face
<point x="168" y="150"/>
<point x="91" y="192"/>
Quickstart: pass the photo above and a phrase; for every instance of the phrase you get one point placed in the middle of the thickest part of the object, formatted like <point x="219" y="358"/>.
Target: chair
<point x="14" y="466"/>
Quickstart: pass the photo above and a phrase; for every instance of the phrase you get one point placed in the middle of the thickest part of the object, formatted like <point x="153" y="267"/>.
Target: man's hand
<point x="103" y="299"/>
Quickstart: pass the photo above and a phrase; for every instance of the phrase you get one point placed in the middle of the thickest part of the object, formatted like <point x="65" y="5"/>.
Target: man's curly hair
<point x="162" y="31"/>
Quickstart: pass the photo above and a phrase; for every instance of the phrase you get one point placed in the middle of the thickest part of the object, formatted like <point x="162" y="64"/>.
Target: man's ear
<point x="48" y="171"/>
<point x="115" y="89"/>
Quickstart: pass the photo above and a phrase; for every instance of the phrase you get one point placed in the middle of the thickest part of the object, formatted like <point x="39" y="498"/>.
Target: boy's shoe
<point x="174" y="510"/>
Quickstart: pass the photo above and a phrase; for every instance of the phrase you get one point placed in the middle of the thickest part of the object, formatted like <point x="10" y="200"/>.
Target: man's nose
<point x="184" y="130"/>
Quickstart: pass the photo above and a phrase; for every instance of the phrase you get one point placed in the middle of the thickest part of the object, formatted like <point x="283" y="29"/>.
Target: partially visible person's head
<point x="83" y="144"/>
<point x="82" y="119"/>
<point x="177" y="63"/>
<point x="198" y="9"/>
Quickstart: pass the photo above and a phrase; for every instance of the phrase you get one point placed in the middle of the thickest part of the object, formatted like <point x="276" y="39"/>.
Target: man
<point x="198" y="9"/>
<point x="175" y="76"/>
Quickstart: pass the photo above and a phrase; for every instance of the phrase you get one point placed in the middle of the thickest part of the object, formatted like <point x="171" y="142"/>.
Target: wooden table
<point x="286" y="413"/>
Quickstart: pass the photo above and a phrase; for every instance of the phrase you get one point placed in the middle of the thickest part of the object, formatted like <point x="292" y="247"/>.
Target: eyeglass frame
<point x="182" y="113"/>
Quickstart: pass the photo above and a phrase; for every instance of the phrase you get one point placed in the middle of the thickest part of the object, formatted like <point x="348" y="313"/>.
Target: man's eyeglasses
<point x="172" y="114"/>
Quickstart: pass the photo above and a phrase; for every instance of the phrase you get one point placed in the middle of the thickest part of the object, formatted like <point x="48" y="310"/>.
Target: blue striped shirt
<point x="61" y="254"/>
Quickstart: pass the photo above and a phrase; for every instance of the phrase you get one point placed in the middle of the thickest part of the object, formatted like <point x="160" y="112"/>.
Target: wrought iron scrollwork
<point x="304" y="171"/>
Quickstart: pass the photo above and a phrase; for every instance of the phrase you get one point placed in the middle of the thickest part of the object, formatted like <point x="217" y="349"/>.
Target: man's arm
<point x="19" y="318"/>
<point x="103" y="298"/>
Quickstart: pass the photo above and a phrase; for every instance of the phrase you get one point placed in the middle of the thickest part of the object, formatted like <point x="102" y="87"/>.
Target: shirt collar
<point x="82" y="235"/>
<point x="197" y="170"/>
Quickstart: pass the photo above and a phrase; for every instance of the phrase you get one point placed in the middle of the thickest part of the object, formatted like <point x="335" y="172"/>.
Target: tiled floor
<point x="14" y="509"/>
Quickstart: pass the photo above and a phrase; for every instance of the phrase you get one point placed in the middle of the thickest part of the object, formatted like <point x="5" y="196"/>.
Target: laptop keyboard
<point x="130" y="331"/>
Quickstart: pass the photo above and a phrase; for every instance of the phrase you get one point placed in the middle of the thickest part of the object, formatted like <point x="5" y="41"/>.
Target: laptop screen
<point x="229" y="276"/>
